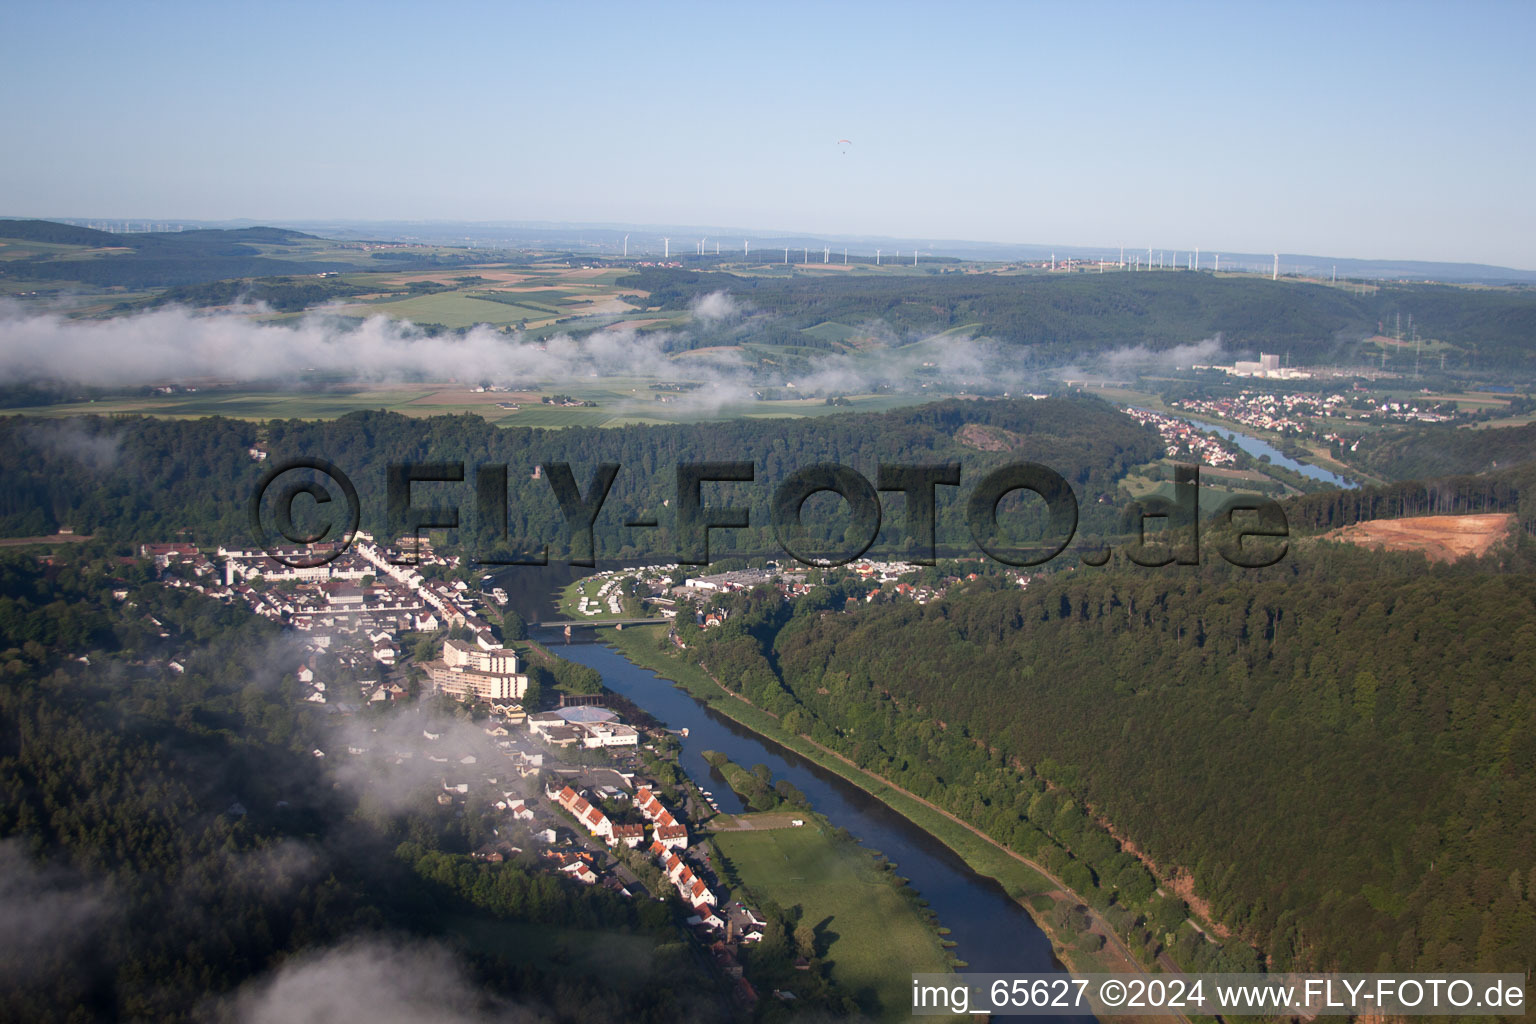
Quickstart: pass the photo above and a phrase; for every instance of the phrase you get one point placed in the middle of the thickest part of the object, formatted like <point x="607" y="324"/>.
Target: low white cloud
<point x="175" y="344"/>
<point x="405" y="759"/>
<point x="1141" y="359"/>
<point x="378" y="981"/>
<point x="71" y="438"/>
<point x="716" y="307"/>
<point x="48" y="912"/>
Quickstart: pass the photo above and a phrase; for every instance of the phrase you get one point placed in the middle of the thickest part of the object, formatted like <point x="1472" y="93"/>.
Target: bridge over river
<point x="568" y="624"/>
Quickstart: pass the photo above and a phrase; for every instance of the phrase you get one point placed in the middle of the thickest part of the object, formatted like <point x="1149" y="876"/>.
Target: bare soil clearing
<point x="1440" y="538"/>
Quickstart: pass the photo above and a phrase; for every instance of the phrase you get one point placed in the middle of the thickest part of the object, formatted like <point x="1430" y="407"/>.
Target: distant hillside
<point x="1438" y="450"/>
<point x="608" y="240"/>
<point x="149" y="241"/>
<point x="56" y="234"/>
<point x="159" y="259"/>
<point x="164" y="471"/>
<point x="1062" y="318"/>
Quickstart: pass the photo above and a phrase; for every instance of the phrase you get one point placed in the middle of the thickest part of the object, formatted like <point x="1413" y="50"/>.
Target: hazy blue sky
<point x="1372" y="130"/>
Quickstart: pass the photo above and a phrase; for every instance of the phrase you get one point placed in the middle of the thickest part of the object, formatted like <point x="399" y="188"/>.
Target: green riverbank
<point x="1037" y="891"/>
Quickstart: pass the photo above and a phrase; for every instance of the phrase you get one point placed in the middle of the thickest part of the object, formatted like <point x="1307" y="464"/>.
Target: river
<point x="1255" y="447"/>
<point x="992" y="932"/>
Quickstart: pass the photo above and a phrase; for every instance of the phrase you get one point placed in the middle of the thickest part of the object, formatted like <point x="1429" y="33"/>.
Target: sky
<point x="1378" y="131"/>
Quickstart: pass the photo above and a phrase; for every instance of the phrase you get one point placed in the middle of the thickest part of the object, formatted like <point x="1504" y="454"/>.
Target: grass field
<point x="1212" y="499"/>
<point x="1511" y="421"/>
<point x="570" y="601"/>
<point x="833" y="332"/>
<point x="551" y="416"/>
<point x="872" y="935"/>
<point x="451" y="309"/>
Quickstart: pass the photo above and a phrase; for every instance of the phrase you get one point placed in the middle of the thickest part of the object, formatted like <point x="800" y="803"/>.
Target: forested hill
<point x="1439" y="450"/>
<point x="1501" y="490"/>
<point x="146" y="479"/>
<point x="1436" y="470"/>
<point x="1062" y="318"/>
<point x="1338" y="749"/>
<point x="154" y="259"/>
<point x="159" y="259"/>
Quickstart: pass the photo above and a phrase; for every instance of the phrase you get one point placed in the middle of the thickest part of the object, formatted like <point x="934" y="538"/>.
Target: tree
<point x="513" y="626"/>
<point x="534" y="695"/>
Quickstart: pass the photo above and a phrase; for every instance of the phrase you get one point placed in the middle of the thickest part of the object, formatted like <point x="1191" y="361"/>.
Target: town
<point x="574" y="789"/>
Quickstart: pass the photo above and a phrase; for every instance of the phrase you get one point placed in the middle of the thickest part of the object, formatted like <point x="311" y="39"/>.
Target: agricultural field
<point x="617" y="405"/>
<point x="1212" y="498"/>
<point x="449" y="309"/>
<point x="244" y="404"/>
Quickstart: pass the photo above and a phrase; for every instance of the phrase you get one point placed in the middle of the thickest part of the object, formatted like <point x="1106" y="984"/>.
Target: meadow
<point x="872" y="935"/>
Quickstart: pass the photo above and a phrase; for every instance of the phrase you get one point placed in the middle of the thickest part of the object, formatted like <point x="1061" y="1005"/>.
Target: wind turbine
<point x="666" y="248"/>
<point x="626" y="247"/>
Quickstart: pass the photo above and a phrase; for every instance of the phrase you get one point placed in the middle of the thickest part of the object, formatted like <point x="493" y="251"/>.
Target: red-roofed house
<point x="630" y="835"/>
<point x="672" y="837"/>
<point x="580" y="871"/>
<point x="699" y="893"/>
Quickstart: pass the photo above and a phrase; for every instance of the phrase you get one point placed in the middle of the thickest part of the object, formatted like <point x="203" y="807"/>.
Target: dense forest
<point x="168" y="833"/>
<point x="1062" y="318"/>
<point x="1435" y="450"/>
<point x="1503" y="490"/>
<point x="1331" y="758"/>
<point x="138" y="479"/>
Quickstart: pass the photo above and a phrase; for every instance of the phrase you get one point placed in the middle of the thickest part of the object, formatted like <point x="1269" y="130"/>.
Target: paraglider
<point x="842" y="145"/>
